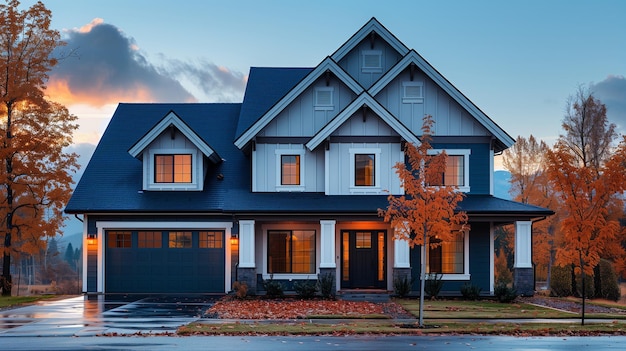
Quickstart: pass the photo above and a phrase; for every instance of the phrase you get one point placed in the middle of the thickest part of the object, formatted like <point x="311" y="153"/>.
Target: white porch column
<point x="523" y="244"/>
<point x="401" y="257"/>
<point x="327" y="244"/>
<point x="246" y="244"/>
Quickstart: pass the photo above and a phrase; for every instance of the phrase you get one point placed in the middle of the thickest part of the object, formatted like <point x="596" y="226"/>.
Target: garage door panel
<point x="131" y="269"/>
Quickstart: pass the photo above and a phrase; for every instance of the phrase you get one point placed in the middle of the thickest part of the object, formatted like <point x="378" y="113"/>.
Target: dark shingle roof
<point x="112" y="181"/>
<point x="266" y="86"/>
<point x="113" y="178"/>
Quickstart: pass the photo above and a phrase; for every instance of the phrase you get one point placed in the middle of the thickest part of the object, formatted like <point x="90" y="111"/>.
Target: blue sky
<point x="517" y="60"/>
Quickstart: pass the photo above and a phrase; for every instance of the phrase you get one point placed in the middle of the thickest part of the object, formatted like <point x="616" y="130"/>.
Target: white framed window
<point x="450" y="258"/>
<point x="290" y="169"/>
<point x="413" y="92"/>
<point x="365" y="170"/>
<point x="457" y="168"/>
<point x="371" y="61"/>
<point x="173" y="170"/>
<point x="324" y="98"/>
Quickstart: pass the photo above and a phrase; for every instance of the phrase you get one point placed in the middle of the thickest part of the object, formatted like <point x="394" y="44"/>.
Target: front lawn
<point x="483" y="309"/>
<point x="11" y="301"/>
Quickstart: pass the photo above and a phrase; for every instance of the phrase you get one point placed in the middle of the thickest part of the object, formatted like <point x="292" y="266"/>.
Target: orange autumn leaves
<point x="428" y="208"/>
<point x="588" y="201"/>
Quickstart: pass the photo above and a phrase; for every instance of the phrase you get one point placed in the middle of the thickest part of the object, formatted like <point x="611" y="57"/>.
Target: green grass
<point x="359" y="327"/>
<point x="10" y="301"/>
<point x="484" y="309"/>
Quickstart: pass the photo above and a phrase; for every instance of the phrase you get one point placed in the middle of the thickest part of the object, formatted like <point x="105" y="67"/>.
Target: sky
<point x="518" y="61"/>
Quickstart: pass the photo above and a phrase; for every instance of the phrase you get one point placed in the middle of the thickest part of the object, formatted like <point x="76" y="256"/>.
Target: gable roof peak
<point x="372" y="26"/>
<point x="172" y="120"/>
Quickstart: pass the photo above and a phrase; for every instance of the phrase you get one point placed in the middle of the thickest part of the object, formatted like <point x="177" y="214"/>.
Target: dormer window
<point x="173" y="168"/>
<point x="372" y="61"/>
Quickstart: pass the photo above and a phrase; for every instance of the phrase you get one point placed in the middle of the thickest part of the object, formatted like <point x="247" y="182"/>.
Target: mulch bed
<point x="289" y="308"/>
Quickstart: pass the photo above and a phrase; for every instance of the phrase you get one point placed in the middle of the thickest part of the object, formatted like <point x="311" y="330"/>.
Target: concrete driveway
<point x="104" y="314"/>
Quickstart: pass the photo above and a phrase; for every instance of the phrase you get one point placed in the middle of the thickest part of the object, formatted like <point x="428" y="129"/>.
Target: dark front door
<point x="363" y="259"/>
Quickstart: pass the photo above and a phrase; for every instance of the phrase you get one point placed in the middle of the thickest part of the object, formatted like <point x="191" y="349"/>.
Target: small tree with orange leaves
<point x="427" y="210"/>
<point x="586" y="194"/>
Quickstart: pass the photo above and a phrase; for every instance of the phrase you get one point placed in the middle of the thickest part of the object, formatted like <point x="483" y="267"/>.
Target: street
<point x="272" y="343"/>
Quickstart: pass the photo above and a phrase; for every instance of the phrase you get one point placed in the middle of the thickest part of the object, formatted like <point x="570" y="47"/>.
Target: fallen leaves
<point x="297" y="309"/>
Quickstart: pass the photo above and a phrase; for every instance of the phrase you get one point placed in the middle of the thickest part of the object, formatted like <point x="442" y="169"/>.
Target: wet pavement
<point x="104" y="315"/>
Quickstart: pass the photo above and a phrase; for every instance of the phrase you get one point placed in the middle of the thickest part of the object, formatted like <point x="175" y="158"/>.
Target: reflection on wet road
<point x="104" y="314"/>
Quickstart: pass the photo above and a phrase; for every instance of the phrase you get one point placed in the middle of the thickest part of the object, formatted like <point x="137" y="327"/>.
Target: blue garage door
<point x="168" y="261"/>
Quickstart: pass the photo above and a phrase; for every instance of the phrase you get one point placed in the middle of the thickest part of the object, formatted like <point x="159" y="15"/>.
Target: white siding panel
<point x="266" y="167"/>
<point x="372" y="126"/>
<point x="450" y="118"/>
<point x="351" y="63"/>
<point x="340" y="177"/>
<point x="301" y="118"/>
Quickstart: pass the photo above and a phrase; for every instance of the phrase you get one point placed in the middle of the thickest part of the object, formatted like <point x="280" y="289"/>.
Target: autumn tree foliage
<point x="35" y="178"/>
<point x="586" y="195"/>
<point x="530" y="185"/>
<point x="426" y="214"/>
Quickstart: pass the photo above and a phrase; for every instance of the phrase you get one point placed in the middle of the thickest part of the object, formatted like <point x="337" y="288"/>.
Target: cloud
<point x="217" y="83"/>
<point x="612" y="92"/>
<point x="103" y="66"/>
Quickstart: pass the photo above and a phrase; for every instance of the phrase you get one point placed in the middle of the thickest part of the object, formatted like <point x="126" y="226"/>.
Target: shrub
<point x="325" y="285"/>
<point x="402" y="286"/>
<point x="607" y="286"/>
<point x="273" y="288"/>
<point x="470" y="291"/>
<point x="504" y="293"/>
<point x="305" y="288"/>
<point x="433" y="284"/>
<point x="241" y="289"/>
<point x="589" y="286"/>
<point x="561" y="281"/>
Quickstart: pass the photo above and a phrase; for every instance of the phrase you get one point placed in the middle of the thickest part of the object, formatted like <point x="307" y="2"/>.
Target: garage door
<point x="166" y="261"/>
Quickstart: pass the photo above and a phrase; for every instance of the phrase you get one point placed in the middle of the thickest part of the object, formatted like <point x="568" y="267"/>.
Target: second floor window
<point x="454" y="174"/>
<point x="364" y="170"/>
<point x="172" y="168"/>
<point x="290" y="169"/>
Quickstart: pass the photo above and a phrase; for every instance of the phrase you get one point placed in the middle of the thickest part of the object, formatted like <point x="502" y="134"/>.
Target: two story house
<point x="188" y="198"/>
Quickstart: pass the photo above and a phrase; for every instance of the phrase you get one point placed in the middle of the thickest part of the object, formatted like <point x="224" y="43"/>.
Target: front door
<point x="363" y="259"/>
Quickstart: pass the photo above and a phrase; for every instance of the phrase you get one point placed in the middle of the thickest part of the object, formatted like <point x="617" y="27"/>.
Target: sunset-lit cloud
<point x="101" y="65"/>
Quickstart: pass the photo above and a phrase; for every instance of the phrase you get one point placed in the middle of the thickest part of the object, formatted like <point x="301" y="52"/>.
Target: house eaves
<point x="328" y="65"/>
<point x="371" y="26"/>
<point x="364" y="99"/>
<point x="171" y="120"/>
<point x="504" y="139"/>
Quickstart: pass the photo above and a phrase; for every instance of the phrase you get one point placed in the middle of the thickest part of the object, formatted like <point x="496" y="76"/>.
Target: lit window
<point x="457" y="169"/>
<point x="372" y="61"/>
<point x="211" y="240"/>
<point x="363" y="240"/>
<point x="448" y="257"/>
<point x="172" y="168"/>
<point x="290" y="169"/>
<point x="118" y="240"/>
<point x="364" y="170"/>
<point x="454" y="173"/>
<point x="291" y="251"/>
<point x="151" y="240"/>
<point x="180" y="240"/>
